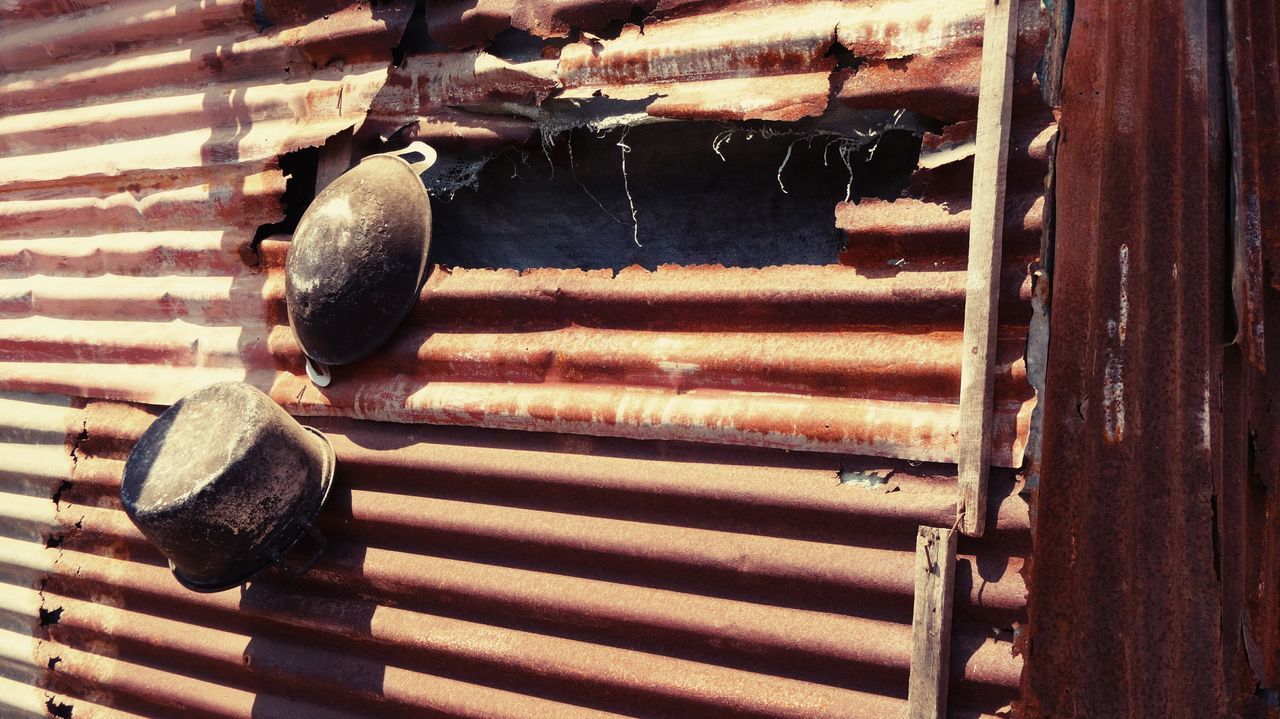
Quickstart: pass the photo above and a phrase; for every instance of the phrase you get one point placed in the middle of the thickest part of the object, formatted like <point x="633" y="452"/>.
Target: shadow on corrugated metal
<point x="638" y="578"/>
<point x="712" y="504"/>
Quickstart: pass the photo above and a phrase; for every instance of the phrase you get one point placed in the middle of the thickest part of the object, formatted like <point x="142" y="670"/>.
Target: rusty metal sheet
<point x="462" y="24"/>
<point x="735" y="386"/>
<point x="943" y="81"/>
<point x="583" y="365"/>
<point x="1254" y="95"/>
<point x="752" y="62"/>
<point x="35" y="434"/>
<point x="500" y="574"/>
<point x="1154" y="539"/>
<point x="710" y="507"/>
<point x="1250" y="537"/>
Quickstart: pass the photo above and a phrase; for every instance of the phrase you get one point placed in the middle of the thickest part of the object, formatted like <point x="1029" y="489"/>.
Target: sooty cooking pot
<point x="357" y="258"/>
<point x="224" y="483"/>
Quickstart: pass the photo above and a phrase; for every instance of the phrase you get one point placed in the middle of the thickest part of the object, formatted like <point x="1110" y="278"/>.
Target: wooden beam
<point x="982" y="292"/>
<point x="931" y="623"/>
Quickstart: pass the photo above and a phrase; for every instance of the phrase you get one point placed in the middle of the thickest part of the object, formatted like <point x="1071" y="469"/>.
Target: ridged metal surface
<point x="1254" y="74"/>
<point x="35" y="436"/>
<point x="586" y="361"/>
<point x="483" y="573"/>
<point x="1155" y="580"/>
<point x="623" y="377"/>
<point x="1253" y="67"/>
<point x="560" y="492"/>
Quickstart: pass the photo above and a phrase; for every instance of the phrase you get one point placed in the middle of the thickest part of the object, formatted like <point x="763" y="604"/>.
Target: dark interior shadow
<point x="685" y="193"/>
<point x="973" y="697"/>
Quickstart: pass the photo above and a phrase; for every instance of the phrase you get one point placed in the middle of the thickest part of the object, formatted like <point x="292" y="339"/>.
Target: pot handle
<point x="318" y="373"/>
<point x="418" y="146"/>
<point x="309" y="528"/>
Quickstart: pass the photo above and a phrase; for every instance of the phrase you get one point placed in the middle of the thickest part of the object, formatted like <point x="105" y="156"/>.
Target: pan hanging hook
<point x="319" y="373"/>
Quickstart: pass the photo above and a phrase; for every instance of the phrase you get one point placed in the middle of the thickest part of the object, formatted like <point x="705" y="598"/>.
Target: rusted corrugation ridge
<point x="225" y="94"/>
<point x="1254" y="66"/>
<point x="476" y="571"/>
<point x="1127" y="595"/>
<point x="579" y="372"/>
<point x="744" y="62"/>
<point x="1254" y="69"/>
<point x="585" y="360"/>
<point x="1251" y="505"/>
<point x="582" y="344"/>
<point x="486" y="573"/>
<point x="141" y="138"/>
<point x="155" y="126"/>
<point x="704" y="358"/>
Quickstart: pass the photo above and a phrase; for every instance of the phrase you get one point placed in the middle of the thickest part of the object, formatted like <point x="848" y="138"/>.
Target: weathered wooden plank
<point x="982" y="291"/>
<point x="931" y="623"/>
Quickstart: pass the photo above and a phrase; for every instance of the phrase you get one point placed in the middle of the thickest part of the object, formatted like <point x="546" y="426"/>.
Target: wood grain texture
<point x="982" y="290"/>
<point x="935" y="571"/>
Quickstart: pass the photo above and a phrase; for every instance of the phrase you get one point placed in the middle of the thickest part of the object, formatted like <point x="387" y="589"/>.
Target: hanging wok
<point x="356" y="262"/>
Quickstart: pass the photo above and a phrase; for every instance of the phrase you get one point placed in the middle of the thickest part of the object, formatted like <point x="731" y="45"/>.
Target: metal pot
<point x="224" y="483"/>
<point x="356" y="262"/>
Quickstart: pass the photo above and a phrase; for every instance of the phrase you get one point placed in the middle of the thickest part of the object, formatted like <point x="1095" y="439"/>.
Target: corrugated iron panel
<point x="691" y="521"/>
<point x="482" y="573"/>
<point x="587" y="360"/>
<point x="1254" y="66"/>
<point x="1254" y="71"/>
<point x="1155" y="575"/>
<point x="625" y="377"/>
<point x="1251" y="508"/>
<point x="35" y="436"/>
<point x="746" y="61"/>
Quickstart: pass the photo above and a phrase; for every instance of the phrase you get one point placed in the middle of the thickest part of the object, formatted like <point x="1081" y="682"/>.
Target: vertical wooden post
<point x="982" y="291"/>
<point x="931" y="623"/>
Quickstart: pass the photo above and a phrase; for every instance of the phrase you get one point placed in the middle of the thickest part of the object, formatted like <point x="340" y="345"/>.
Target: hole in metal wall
<point x="299" y="168"/>
<point x="57" y="708"/>
<point x="681" y="193"/>
<point x="845" y="59"/>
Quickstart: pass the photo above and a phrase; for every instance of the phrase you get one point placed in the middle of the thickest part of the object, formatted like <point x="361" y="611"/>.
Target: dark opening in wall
<point x="58" y="709"/>
<point x="674" y="192"/>
<point x="50" y="616"/>
<point x="299" y="168"/>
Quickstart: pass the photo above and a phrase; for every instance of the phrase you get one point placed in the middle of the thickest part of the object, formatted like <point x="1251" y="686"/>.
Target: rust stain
<point x="592" y="552"/>
<point x="586" y="360"/>
<point x="1254" y="94"/>
<point x="683" y="431"/>
<point x="1150" y="411"/>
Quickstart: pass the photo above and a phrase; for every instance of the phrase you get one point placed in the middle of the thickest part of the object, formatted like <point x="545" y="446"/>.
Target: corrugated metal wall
<point x="667" y="496"/>
<point x="1157" y="560"/>
<point x="1254" y="449"/>
<point x="35" y="433"/>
